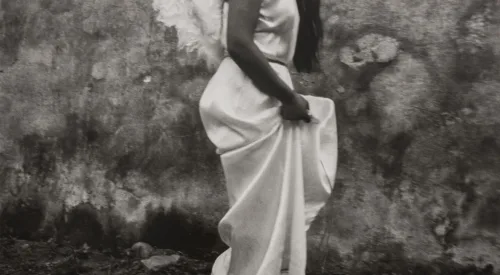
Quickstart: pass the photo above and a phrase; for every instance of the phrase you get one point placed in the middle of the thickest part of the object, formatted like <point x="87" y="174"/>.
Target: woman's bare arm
<point x="242" y="21"/>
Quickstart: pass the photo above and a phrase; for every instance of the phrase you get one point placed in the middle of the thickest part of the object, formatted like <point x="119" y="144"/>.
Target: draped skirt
<point x="278" y="173"/>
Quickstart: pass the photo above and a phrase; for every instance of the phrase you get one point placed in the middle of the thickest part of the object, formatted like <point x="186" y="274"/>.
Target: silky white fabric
<point x="278" y="173"/>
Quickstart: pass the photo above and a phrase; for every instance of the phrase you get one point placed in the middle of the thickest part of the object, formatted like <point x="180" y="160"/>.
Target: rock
<point x="386" y="50"/>
<point x="347" y="56"/>
<point x="156" y="263"/>
<point x="85" y="248"/>
<point x="340" y="89"/>
<point x="142" y="250"/>
<point x="371" y="48"/>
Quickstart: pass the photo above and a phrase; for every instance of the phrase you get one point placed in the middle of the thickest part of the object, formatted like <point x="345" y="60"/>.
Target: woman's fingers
<point x="298" y="110"/>
<point x="295" y="115"/>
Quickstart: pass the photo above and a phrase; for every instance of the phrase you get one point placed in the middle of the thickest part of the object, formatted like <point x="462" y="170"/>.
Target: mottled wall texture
<point x="101" y="140"/>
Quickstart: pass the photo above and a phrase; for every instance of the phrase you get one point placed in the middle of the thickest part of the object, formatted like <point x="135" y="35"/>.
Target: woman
<point x="278" y="148"/>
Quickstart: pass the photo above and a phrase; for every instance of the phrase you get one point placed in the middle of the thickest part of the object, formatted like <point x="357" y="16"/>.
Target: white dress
<point x="278" y="173"/>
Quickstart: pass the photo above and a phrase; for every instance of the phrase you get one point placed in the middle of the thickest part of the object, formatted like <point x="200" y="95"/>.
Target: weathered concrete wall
<point x="100" y="139"/>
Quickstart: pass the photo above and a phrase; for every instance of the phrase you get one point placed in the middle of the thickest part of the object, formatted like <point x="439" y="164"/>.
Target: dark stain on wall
<point x="393" y="166"/>
<point x="39" y="156"/>
<point x="81" y="225"/>
<point x="489" y="213"/>
<point x="22" y="218"/>
<point x="80" y="134"/>
<point x="174" y="229"/>
<point x="12" y="29"/>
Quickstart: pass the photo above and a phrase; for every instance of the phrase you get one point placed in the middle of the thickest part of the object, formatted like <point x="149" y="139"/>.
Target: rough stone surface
<point x="101" y="141"/>
<point x="141" y="250"/>
<point x="156" y="263"/>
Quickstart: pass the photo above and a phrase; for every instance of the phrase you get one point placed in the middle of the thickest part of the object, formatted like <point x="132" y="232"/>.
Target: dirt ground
<point x="18" y="257"/>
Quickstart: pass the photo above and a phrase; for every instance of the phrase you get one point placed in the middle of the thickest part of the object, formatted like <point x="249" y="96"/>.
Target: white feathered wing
<point x="198" y="24"/>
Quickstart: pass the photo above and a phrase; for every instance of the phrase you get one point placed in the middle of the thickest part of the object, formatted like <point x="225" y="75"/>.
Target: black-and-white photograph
<point x="249" y="137"/>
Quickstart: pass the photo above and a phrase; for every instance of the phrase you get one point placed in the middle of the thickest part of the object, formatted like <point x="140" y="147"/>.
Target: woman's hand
<point x="296" y="109"/>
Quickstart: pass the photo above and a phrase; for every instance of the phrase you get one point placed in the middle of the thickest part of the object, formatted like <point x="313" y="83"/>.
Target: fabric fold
<point x="278" y="173"/>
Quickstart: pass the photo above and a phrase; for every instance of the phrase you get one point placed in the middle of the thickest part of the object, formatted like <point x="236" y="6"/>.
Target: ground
<point x="20" y="257"/>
